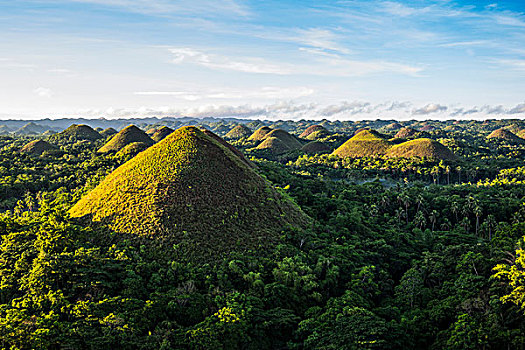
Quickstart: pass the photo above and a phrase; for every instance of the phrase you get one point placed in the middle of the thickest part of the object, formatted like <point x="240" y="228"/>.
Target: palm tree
<point x="490" y="221"/>
<point x="458" y="169"/>
<point x="405" y="200"/>
<point x="419" y="201"/>
<point x="447" y="171"/>
<point x="433" y="218"/>
<point x="477" y="211"/>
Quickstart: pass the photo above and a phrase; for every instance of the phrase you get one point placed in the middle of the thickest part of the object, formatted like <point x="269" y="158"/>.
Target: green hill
<point x="421" y="148"/>
<point x="504" y="134"/>
<point x="75" y="133"/>
<point x="260" y="133"/>
<point x="274" y="145"/>
<point x="315" y="147"/>
<point x="126" y="136"/>
<point x="161" y="133"/>
<point x="409" y="133"/>
<point x="367" y="143"/>
<point x="38" y="147"/>
<point x="191" y="190"/>
<point x="238" y="132"/>
<point x="132" y="149"/>
<point x="314" y="132"/>
<point x="31" y="129"/>
<point x="108" y="132"/>
<point x="288" y="139"/>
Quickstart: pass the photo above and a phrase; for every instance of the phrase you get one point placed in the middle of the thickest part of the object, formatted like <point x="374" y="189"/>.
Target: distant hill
<point x="408" y="133"/>
<point x="421" y="148"/>
<point x="259" y="134"/>
<point x="125" y="137"/>
<point x="37" y="147"/>
<point x="315" y="132"/>
<point x="367" y="143"/>
<point x="238" y="132"/>
<point x="504" y="134"/>
<point x="193" y="191"/>
<point x="161" y="133"/>
<point x="76" y="133"/>
<point x="31" y="129"/>
<point x="315" y="147"/>
<point x="108" y="132"/>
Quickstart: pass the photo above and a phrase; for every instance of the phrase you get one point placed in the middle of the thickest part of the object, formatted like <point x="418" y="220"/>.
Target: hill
<point x="126" y="136"/>
<point x="367" y="143"/>
<point x="421" y="148"/>
<point x="260" y="133"/>
<point x="314" y="132"/>
<point x="504" y="134"/>
<point x="75" y="133"/>
<point x="108" y="132"/>
<point x="315" y="147"/>
<point x="238" y="132"/>
<point x="191" y="190"/>
<point x="288" y="139"/>
<point x="31" y="129"/>
<point x="38" y="147"/>
<point x="161" y="133"/>
<point x="408" y="133"/>
<point x="132" y="149"/>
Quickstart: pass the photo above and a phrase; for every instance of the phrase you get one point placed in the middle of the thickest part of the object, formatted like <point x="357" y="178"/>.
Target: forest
<point x="375" y="234"/>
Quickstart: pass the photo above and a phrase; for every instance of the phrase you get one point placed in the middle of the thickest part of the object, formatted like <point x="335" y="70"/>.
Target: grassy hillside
<point x="315" y="147"/>
<point x="421" y="148"/>
<point x="192" y="190"/>
<point x="504" y="134"/>
<point x="37" y="147"/>
<point x="408" y="133"/>
<point x="125" y="137"/>
<point x="238" y="132"/>
<point x="259" y="134"/>
<point x="314" y="132"/>
<point x="75" y="133"/>
<point x="367" y="143"/>
<point x="161" y="133"/>
<point x="108" y="132"/>
<point x="288" y="139"/>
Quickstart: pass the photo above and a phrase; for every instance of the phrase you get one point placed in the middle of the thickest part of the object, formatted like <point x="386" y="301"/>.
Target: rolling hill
<point x="315" y="132"/>
<point x="421" y="148"/>
<point x="193" y="191"/>
<point x="504" y="134"/>
<point x="238" y="132"/>
<point x="38" y="147"/>
<point x="161" y="133"/>
<point x="75" y="133"/>
<point x="259" y="134"/>
<point x="126" y="136"/>
<point x="367" y="143"/>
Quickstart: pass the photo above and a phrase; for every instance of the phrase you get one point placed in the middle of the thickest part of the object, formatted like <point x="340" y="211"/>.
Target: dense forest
<point x="375" y="235"/>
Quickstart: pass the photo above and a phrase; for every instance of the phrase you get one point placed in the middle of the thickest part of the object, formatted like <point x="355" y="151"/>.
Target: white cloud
<point x="43" y="92"/>
<point x="430" y="108"/>
<point x="213" y="61"/>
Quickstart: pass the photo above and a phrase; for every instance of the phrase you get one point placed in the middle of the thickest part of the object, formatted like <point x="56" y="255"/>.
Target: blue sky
<point x="272" y="59"/>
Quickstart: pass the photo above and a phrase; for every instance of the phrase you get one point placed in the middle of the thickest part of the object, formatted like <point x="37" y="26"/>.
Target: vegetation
<point x="366" y="143"/>
<point x="260" y="133"/>
<point x="314" y="132"/>
<point x="37" y="147"/>
<point x="75" y="133"/>
<point x="108" y="132"/>
<point x="315" y="147"/>
<point x="161" y="133"/>
<point x="315" y="251"/>
<point x="421" y="148"/>
<point x="238" y="132"/>
<point x="504" y="134"/>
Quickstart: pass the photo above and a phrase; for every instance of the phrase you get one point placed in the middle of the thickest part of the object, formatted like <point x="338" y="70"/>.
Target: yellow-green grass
<point x="161" y="133"/>
<point x="314" y="132"/>
<point x="128" y="135"/>
<point x="367" y="143"/>
<point x="315" y="147"/>
<point x="238" y="132"/>
<point x="37" y="147"/>
<point x="132" y="149"/>
<point x="274" y="145"/>
<point x="193" y="191"/>
<point x="504" y="134"/>
<point x="421" y="148"/>
<point x="259" y="134"/>
<point x="288" y="139"/>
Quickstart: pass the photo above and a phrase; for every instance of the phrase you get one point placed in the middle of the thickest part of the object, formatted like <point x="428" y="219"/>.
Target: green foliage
<point x="126" y="136"/>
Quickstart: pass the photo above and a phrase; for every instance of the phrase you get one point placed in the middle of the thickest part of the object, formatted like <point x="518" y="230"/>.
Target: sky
<point x="345" y="60"/>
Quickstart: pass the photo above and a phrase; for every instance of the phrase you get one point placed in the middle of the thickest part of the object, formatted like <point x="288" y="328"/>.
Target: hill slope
<point x="315" y="147"/>
<point x="38" y="147"/>
<point x="314" y="132"/>
<point x="238" y="132"/>
<point x="260" y="133"/>
<point x="161" y="133"/>
<point x="367" y="143"/>
<point x="504" y="134"/>
<point x="421" y="148"/>
<point x="76" y="132"/>
<point x="126" y="136"/>
<point x="194" y="191"/>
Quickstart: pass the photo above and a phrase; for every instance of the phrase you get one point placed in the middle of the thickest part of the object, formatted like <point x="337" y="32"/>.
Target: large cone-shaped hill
<point x="279" y="141"/>
<point x="192" y="190"/>
<point x="238" y="132"/>
<point x="38" y="147"/>
<point x="161" y="133"/>
<point x="315" y="147"/>
<point x="421" y="148"/>
<point x="407" y="133"/>
<point x="126" y="136"/>
<point x="31" y="129"/>
<point x="504" y="134"/>
<point x="367" y="143"/>
<point x="76" y="132"/>
<point x="314" y="132"/>
<point x="108" y="132"/>
<point x="260" y="133"/>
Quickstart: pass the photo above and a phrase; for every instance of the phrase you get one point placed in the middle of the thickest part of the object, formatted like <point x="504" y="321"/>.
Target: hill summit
<point x="367" y="143"/>
<point x="314" y="132"/>
<point x="126" y="136"/>
<point x="161" y="133"/>
<point x="238" y="132"/>
<point x="504" y="134"/>
<point x="422" y="148"/>
<point x="76" y="132"/>
<point x="37" y="147"/>
<point x="193" y="191"/>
